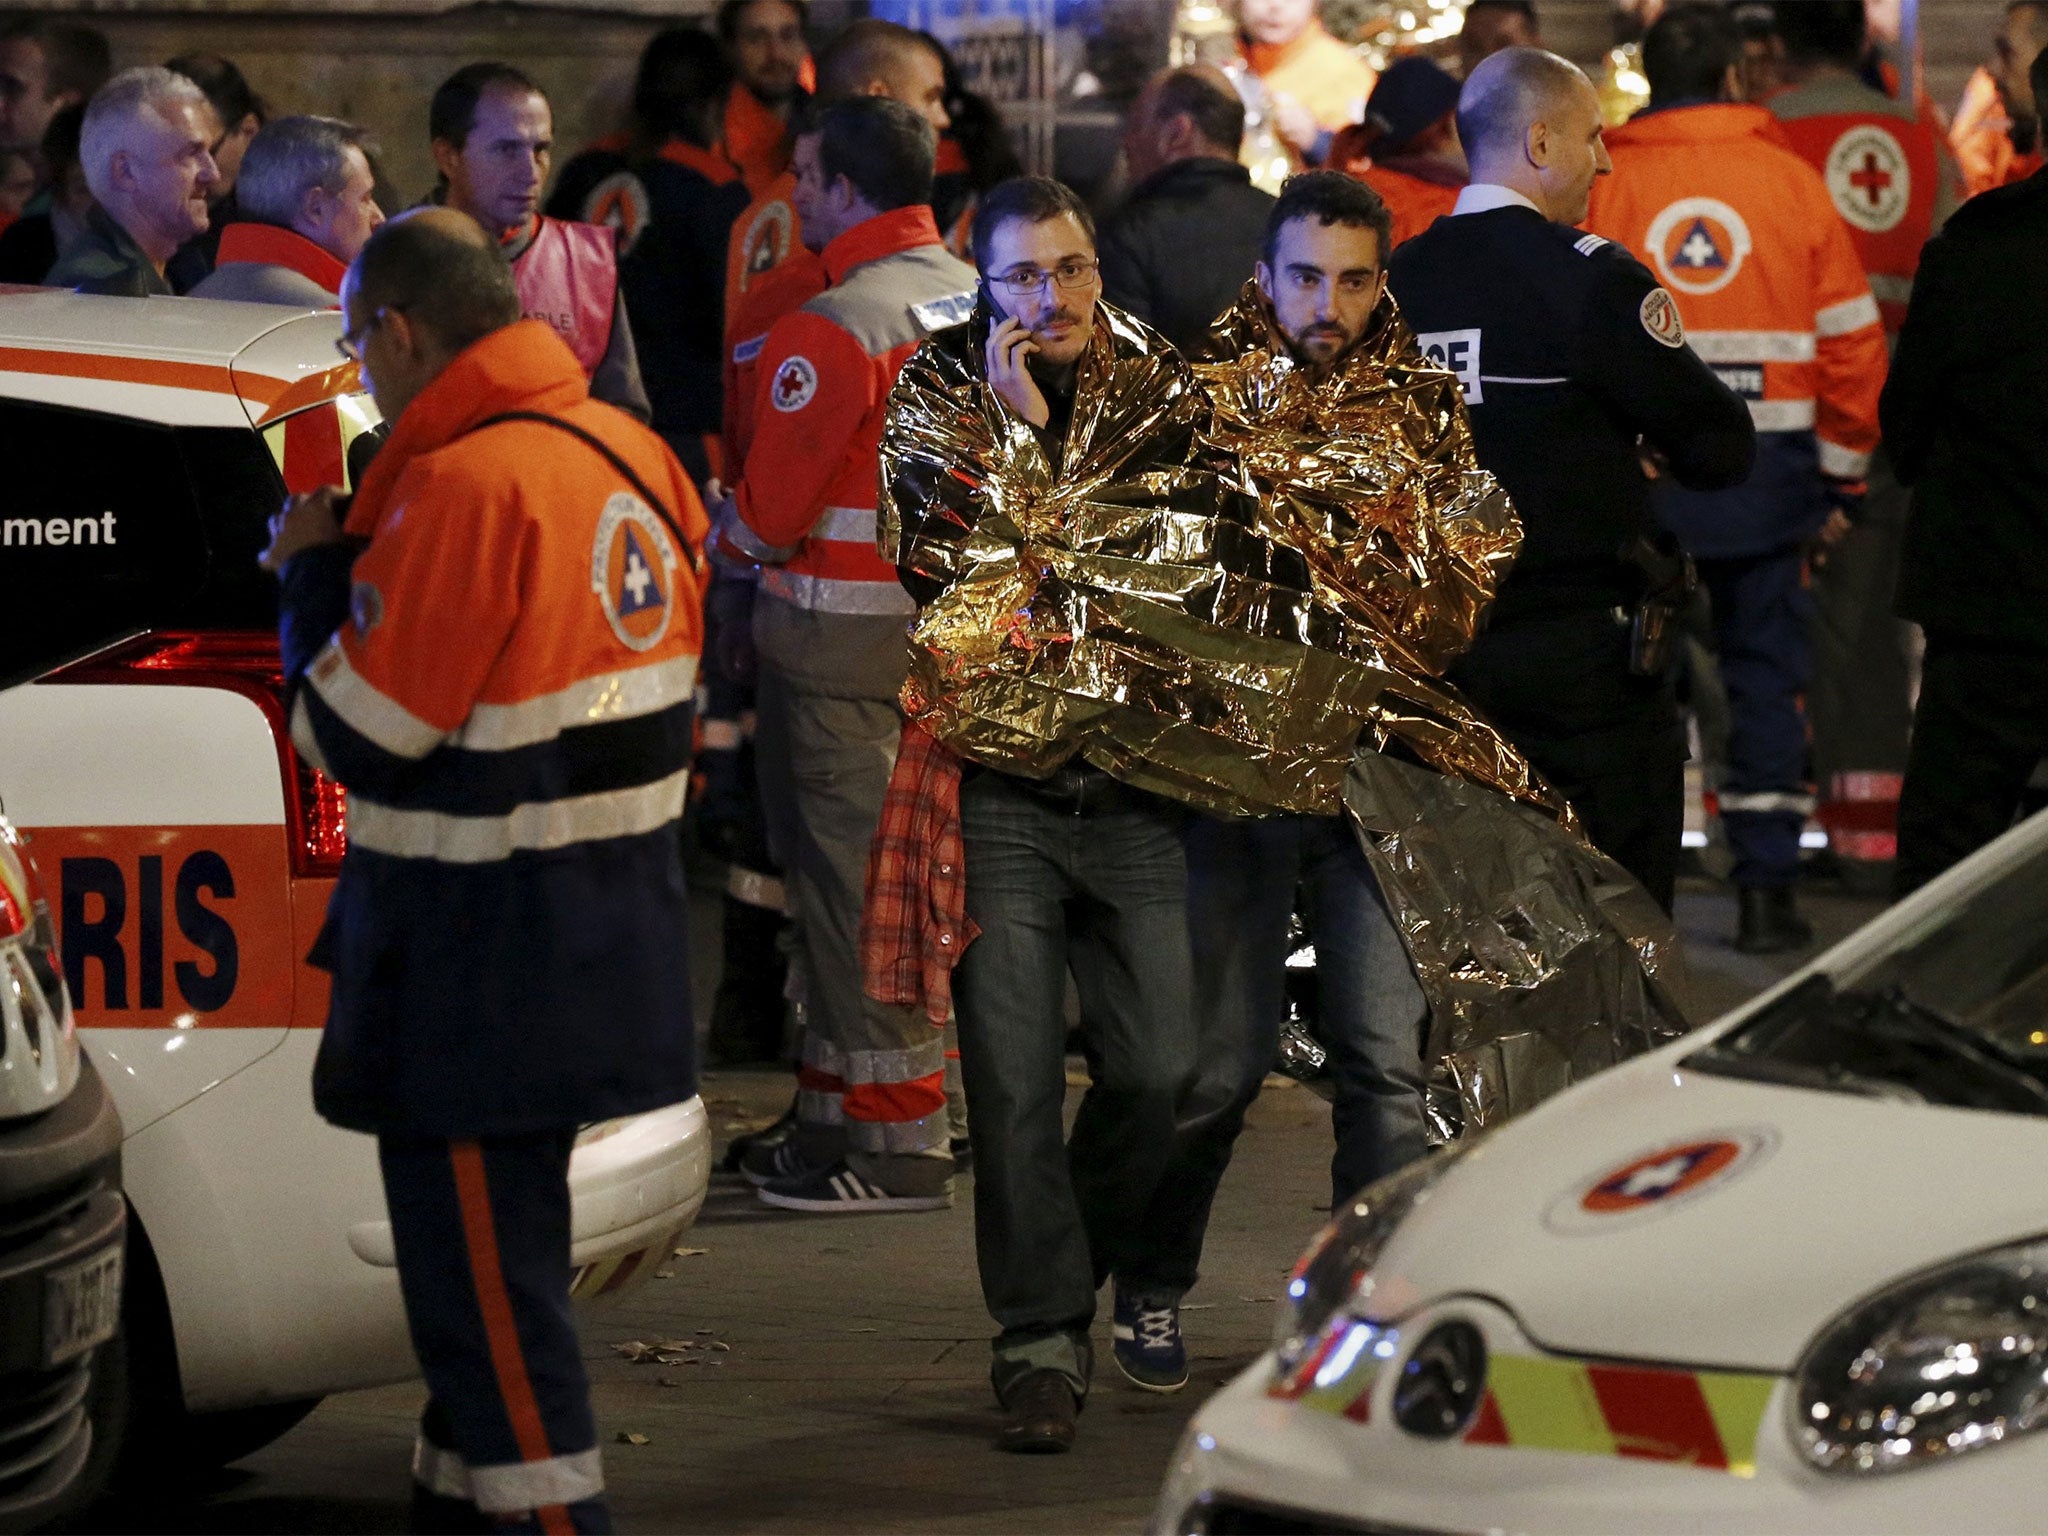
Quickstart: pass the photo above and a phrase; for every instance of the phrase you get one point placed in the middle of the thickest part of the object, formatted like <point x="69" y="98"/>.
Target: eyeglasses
<point x="1022" y="282"/>
<point x="350" y="344"/>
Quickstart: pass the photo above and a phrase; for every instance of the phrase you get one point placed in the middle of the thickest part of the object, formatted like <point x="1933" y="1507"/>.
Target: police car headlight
<point x="1948" y="1361"/>
<point x="1336" y="1270"/>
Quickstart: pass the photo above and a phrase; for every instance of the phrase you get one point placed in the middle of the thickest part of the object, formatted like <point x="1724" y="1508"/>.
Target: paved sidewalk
<point x="852" y="1391"/>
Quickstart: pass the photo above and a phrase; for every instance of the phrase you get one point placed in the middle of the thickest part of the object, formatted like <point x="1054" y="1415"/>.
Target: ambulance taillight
<point x="245" y="662"/>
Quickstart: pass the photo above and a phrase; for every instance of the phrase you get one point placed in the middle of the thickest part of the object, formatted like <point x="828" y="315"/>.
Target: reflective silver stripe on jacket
<point x="1752" y="346"/>
<point x="304" y="739"/>
<point x="368" y="711"/>
<point x="610" y="696"/>
<point x="831" y="594"/>
<point x="1849" y="315"/>
<point x="850" y="525"/>
<point x="451" y="839"/>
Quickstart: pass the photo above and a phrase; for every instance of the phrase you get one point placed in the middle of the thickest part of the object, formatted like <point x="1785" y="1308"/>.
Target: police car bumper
<point x="1252" y="1461"/>
<point x="635" y="1186"/>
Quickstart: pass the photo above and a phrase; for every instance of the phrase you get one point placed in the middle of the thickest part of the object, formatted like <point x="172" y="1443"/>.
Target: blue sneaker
<point x="1148" y="1346"/>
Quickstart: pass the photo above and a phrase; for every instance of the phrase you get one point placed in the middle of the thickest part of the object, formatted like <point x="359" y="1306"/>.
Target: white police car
<point x="145" y="756"/>
<point x="1789" y="1273"/>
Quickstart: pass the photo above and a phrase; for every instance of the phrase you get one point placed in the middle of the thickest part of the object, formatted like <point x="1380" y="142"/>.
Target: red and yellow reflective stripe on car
<point x="1704" y="1419"/>
<point x="609" y="1277"/>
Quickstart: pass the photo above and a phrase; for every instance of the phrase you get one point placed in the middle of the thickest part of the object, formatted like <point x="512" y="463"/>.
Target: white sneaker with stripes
<point x="839" y="1188"/>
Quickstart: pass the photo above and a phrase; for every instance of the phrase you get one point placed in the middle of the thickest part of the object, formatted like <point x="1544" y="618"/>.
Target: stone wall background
<point x="376" y="62"/>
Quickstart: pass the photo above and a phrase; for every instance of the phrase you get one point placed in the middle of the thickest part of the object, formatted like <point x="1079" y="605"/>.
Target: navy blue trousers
<point x="1763" y="632"/>
<point x="482" y="1235"/>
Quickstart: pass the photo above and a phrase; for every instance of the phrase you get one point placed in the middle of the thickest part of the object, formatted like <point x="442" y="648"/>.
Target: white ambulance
<point x="1787" y="1274"/>
<point x="145" y="758"/>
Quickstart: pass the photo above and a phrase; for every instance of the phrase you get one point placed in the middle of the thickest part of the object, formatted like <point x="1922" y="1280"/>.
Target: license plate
<point x="81" y="1305"/>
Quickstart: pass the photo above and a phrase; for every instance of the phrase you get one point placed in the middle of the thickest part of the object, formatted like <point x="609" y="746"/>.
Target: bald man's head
<point x="1530" y="120"/>
<point x="441" y="269"/>
<point x="1193" y="112"/>
<point x="872" y="57"/>
<point x="427" y="285"/>
<point x="1509" y="90"/>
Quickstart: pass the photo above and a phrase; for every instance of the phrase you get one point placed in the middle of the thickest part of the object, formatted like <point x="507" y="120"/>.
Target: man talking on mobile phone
<point x="1066" y="866"/>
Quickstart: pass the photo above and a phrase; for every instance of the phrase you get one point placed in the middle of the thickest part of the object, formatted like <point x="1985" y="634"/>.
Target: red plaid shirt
<point x="914" y="923"/>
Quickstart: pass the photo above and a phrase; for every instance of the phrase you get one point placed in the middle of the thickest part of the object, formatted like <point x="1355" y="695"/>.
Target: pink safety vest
<point x="569" y="277"/>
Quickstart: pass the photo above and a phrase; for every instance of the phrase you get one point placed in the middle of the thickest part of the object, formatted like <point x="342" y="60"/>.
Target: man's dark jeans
<point x="1242" y="877"/>
<point x="1085" y="874"/>
<point x="1980" y="733"/>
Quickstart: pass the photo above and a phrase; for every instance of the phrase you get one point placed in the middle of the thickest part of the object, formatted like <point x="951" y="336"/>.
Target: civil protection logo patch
<point x="621" y="202"/>
<point x="633" y="571"/>
<point x="1659" y="314"/>
<point x="1868" y="178"/>
<point x="796" y="381"/>
<point x="1698" y="244"/>
<point x="765" y="245"/>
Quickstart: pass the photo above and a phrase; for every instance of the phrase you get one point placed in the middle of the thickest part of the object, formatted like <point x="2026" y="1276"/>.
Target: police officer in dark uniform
<point x="1575" y="368"/>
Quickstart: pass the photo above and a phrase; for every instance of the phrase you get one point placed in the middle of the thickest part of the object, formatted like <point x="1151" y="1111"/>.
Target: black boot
<point x="766" y="1139"/>
<point x="1769" y="924"/>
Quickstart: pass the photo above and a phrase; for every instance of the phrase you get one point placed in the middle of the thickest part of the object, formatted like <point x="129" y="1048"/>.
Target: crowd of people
<point x="797" y="373"/>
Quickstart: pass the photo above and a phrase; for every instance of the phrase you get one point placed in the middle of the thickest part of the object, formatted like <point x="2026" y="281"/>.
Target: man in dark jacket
<point x="1179" y="250"/>
<point x="144" y="150"/>
<point x="509" y="935"/>
<point x="308" y="201"/>
<point x="1572" y="358"/>
<point x="1965" y="415"/>
<point x="672" y="199"/>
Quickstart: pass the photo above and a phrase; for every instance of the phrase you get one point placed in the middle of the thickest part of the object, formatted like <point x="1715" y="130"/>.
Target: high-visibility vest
<point x="569" y="277"/>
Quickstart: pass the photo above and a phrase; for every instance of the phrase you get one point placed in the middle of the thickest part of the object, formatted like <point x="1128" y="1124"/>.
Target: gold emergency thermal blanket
<point x="1237" y="586"/>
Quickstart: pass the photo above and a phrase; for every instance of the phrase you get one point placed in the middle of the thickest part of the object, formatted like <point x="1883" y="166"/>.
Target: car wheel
<point x="143" y="1437"/>
<point x="219" y="1438"/>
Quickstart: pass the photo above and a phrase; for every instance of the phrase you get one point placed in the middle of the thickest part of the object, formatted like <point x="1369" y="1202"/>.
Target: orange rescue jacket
<point x="1745" y="236"/>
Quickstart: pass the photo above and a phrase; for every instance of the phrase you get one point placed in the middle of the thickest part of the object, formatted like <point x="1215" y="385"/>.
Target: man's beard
<point x="1335" y="337"/>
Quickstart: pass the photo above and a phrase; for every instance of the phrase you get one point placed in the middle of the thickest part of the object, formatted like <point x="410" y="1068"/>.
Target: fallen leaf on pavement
<point x="627" y="1437"/>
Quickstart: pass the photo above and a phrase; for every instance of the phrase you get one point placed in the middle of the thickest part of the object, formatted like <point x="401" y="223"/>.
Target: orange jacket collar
<point x="1264" y="58"/>
<point x="271" y="245"/>
<point x="1705" y="124"/>
<point x="524" y="367"/>
<point x="754" y="138"/>
<point x="708" y="163"/>
<point x="886" y="234"/>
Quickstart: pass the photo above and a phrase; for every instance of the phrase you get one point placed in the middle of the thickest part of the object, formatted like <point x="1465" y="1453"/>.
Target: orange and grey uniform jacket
<point x="772" y="294"/>
<point x="1416" y="202"/>
<point x="1744" y="235"/>
<point x="1890" y="176"/>
<point x="832" y="613"/>
<point x="568" y="275"/>
<point x="768" y="272"/>
<point x="754" y="137"/>
<point x="508" y="704"/>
